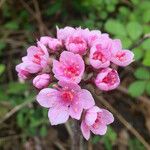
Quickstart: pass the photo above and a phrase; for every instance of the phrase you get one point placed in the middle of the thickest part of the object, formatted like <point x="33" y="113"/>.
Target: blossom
<point x="22" y="72"/>
<point x="63" y="33"/>
<point x="100" y="53"/>
<point x="41" y="81"/>
<point x="70" y="67"/>
<point x="120" y="57"/>
<point x="52" y="43"/>
<point x="67" y="100"/>
<point x="76" y="42"/>
<point x="37" y="58"/>
<point x="96" y="121"/>
<point x="93" y="36"/>
<point x="107" y="79"/>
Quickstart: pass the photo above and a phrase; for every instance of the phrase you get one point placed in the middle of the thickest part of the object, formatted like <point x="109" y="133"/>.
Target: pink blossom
<point x="52" y="43"/>
<point x="37" y="58"/>
<point x="96" y="121"/>
<point x="76" y="42"/>
<point x="70" y="67"/>
<point x="107" y="79"/>
<point x="120" y="57"/>
<point x="41" y="81"/>
<point x="93" y="36"/>
<point x="22" y="72"/>
<point x="67" y="100"/>
<point x="100" y="53"/>
<point x="63" y="33"/>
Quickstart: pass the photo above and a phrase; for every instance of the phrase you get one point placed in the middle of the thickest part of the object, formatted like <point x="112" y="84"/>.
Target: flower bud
<point x="41" y="81"/>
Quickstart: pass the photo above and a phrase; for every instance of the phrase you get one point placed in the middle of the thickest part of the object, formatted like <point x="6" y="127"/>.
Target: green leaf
<point x="43" y="131"/>
<point x="115" y="27"/>
<point x="142" y="73"/>
<point x="2" y="68"/>
<point x="134" y="30"/>
<point x="146" y="44"/>
<point x="96" y="139"/>
<point x="12" y="25"/>
<point x="146" y="16"/>
<point x="148" y="88"/>
<point x="15" y="88"/>
<point x="137" y="88"/>
<point x="146" y="60"/>
<point x="138" y="53"/>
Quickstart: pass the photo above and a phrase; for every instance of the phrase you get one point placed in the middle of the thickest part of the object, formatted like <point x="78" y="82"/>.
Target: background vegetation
<point x="23" y="124"/>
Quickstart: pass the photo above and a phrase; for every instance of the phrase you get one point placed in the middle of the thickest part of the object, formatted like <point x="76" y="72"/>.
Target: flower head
<point x="120" y="57"/>
<point x="100" y="53"/>
<point x="93" y="36"/>
<point x="67" y="100"/>
<point x="96" y="121"/>
<point x="76" y="42"/>
<point x="107" y="79"/>
<point x="37" y="58"/>
<point x="70" y="67"/>
<point x="52" y="43"/>
<point x="41" y="81"/>
<point x="63" y="33"/>
<point x="22" y="72"/>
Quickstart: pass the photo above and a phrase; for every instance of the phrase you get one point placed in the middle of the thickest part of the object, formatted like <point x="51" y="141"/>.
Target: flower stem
<point x="76" y="136"/>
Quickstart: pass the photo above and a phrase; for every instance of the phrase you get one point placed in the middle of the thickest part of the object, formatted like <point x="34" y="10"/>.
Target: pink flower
<point x="93" y="36"/>
<point x="96" y="120"/>
<point x="63" y="33"/>
<point x="107" y="79"/>
<point x="121" y="57"/>
<point x="100" y="53"/>
<point x="76" y="42"/>
<point x="22" y="72"/>
<point x="70" y="67"/>
<point x="37" y="58"/>
<point x="41" y="81"/>
<point x="52" y="43"/>
<point x="67" y="100"/>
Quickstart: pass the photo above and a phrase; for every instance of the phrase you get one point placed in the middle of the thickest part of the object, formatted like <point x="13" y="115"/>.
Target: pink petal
<point x="58" y="114"/>
<point x="75" y="110"/>
<point x="45" y="40"/>
<point x="86" y="99"/>
<point x="99" y="131"/>
<point x="107" y="117"/>
<point x="128" y="58"/>
<point x="70" y="85"/>
<point x="47" y="97"/>
<point x="90" y="118"/>
<point x="85" y="130"/>
<point x="116" y="46"/>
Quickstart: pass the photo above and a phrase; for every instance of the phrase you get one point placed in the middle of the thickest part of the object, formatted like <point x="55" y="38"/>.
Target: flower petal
<point x="99" y="131"/>
<point x="58" y="114"/>
<point x="86" y="99"/>
<point x="107" y="117"/>
<point x="47" y="97"/>
<point x="75" y="110"/>
<point x="85" y="130"/>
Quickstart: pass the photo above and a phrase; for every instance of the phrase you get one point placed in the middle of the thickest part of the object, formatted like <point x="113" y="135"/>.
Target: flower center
<point x="37" y="56"/>
<point x="110" y="78"/>
<point x="121" y="56"/>
<point x="98" y="121"/>
<point x="99" y="56"/>
<point x="67" y="96"/>
<point x="71" y="71"/>
<point x="76" y="40"/>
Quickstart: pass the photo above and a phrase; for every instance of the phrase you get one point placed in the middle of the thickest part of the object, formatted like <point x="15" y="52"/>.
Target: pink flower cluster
<point x="64" y="63"/>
